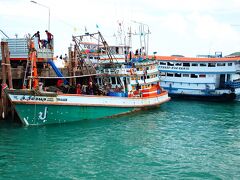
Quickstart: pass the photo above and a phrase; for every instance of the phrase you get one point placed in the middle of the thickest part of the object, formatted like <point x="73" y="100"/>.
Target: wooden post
<point x="8" y="65"/>
<point x="3" y="102"/>
<point x="75" y="65"/>
<point x="70" y="69"/>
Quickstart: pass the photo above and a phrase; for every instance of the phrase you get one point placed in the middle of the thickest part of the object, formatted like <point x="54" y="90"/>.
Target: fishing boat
<point x="114" y="89"/>
<point x="211" y="78"/>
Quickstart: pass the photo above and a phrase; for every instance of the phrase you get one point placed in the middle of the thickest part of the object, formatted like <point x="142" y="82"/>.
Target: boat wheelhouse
<point x="205" y="78"/>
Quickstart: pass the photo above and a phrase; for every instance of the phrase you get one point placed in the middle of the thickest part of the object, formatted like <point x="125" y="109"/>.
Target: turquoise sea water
<point x="179" y="140"/>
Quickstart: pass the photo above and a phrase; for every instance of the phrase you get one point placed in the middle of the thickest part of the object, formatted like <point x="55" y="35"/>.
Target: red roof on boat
<point x="195" y="59"/>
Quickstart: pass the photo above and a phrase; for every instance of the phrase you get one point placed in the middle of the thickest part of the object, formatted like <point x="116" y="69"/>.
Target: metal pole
<point x="48" y="19"/>
<point x="48" y="12"/>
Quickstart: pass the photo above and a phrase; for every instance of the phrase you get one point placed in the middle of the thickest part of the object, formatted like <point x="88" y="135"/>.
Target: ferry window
<point x="211" y="64"/>
<point x="186" y="64"/>
<point x="163" y="74"/>
<point x="148" y="77"/>
<point x="113" y="80"/>
<point x="178" y="64"/>
<point x="170" y="64"/>
<point x="229" y="64"/>
<point x="177" y="75"/>
<point x="221" y="64"/>
<point x="228" y="77"/>
<point x="162" y="63"/>
<point x="194" y="64"/>
<point x="185" y="75"/>
<point x="141" y="77"/>
<point x="170" y="74"/>
<point x="203" y="64"/>
<point x="194" y="76"/>
<point x="202" y="75"/>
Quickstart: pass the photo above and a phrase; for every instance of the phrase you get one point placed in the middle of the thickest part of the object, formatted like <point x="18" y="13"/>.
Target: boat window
<point x="211" y="64"/>
<point x="185" y="75"/>
<point x="118" y="80"/>
<point x="203" y="64"/>
<point x="194" y="76"/>
<point x="99" y="81"/>
<point x="178" y="64"/>
<point x="162" y="63"/>
<point x="229" y="64"/>
<point x="228" y="77"/>
<point x="170" y="74"/>
<point x="186" y="64"/>
<point x="221" y="64"/>
<point x="128" y="80"/>
<point x="162" y="73"/>
<point x="194" y="64"/>
<point x="113" y="80"/>
<point x="170" y="64"/>
<point x="148" y="77"/>
<point x="178" y="75"/>
<point x="202" y="75"/>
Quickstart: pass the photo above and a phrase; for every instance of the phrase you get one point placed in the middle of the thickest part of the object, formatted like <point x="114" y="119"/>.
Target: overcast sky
<point x="186" y="27"/>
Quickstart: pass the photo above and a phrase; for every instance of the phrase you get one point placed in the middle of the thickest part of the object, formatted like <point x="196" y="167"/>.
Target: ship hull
<point x="217" y="98"/>
<point x="51" y="114"/>
<point x="44" y="109"/>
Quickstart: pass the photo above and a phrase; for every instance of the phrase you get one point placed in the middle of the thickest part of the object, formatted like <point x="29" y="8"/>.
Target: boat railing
<point x="232" y="84"/>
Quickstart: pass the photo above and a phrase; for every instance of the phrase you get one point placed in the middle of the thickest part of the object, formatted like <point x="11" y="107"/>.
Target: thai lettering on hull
<point x="43" y="115"/>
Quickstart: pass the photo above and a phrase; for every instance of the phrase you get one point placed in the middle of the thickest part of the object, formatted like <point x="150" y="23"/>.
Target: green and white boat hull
<point x="50" y="108"/>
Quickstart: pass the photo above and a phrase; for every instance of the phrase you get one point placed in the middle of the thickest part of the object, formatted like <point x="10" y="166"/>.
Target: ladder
<point x="27" y="73"/>
<point x="31" y="69"/>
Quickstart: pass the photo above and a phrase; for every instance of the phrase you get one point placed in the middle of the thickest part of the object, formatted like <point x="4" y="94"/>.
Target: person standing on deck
<point x="37" y="35"/>
<point x="49" y="38"/>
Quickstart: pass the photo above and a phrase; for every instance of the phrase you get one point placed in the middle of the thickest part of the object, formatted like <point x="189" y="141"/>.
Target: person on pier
<point x="49" y="39"/>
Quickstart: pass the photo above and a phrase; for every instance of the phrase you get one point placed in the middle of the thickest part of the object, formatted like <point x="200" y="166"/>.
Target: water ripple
<point x="179" y="140"/>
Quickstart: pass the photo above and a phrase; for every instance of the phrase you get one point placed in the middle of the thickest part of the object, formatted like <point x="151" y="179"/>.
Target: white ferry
<point x="215" y="78"/>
